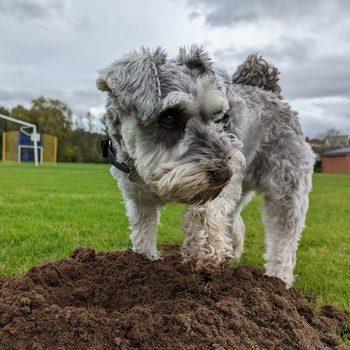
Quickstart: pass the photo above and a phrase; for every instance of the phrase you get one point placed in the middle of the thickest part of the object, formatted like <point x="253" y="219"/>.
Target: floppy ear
<point x="134" y="81"/>
<point x="195" y="58"/>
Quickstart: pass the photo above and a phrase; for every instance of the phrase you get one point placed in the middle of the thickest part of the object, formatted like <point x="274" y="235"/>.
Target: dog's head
<point x="167" y="113"/>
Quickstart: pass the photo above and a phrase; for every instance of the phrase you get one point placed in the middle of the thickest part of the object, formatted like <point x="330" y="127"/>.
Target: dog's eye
<point x="217" y="114"/>
<point x="171" y="126"/>
<point x="167" y="121"/>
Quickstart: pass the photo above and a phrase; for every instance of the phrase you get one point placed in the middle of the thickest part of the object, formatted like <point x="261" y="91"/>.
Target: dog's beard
<point x="183" y="182"/>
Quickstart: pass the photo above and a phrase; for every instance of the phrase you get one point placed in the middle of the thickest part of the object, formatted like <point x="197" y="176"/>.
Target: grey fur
<point x="262" y="144"/>
<point x="134" y="81"/>
<point x="195" y="58"/>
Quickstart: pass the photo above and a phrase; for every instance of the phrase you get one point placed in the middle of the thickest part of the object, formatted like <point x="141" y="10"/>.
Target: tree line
<point x="53" y="117"/>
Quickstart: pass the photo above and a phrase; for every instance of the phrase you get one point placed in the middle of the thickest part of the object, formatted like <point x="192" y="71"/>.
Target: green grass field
<point x="46" y="212"/>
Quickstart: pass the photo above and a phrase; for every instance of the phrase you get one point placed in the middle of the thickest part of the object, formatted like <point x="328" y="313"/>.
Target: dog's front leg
<point x="143" y="220"/>
<point x="207" y="244"/>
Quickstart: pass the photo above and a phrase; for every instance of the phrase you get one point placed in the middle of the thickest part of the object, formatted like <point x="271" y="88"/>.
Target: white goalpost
<point x="28" y="125"/>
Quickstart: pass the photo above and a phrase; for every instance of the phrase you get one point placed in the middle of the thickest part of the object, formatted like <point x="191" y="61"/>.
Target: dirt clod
<point x="123" y="301"/>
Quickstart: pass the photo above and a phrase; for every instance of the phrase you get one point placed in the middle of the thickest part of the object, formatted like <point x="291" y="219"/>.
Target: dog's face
<point x="165" y="115"/>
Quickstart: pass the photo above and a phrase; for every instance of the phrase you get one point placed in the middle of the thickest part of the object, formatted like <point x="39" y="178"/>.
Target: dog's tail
<point x="256" y="71"/>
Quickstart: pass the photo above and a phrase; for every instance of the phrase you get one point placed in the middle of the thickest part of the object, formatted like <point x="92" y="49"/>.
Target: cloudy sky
<point x="55" y="47"/>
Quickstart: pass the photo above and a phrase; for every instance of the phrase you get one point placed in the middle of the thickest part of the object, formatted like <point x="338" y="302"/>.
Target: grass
<point x="46" y="212"/>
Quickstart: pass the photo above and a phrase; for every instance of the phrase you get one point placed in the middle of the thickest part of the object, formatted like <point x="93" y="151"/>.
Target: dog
<point x="183" y="131"/>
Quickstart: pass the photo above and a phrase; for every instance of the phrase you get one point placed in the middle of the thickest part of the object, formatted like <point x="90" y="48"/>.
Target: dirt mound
<point x="123" y="301"/>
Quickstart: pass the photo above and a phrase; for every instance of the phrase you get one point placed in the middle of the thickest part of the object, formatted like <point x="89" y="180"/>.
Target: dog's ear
<point x="195" y="58"/>
<point x="134" y="81"/>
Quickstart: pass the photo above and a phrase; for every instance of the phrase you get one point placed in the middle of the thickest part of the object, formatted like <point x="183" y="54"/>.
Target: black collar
<point x="108" y="152"/>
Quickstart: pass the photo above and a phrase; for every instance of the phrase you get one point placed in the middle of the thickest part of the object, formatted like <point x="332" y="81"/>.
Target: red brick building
<point x="337" y="161"/>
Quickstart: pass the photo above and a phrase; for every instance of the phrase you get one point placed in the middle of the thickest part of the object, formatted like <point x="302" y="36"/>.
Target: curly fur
<point x="256" y="71"/>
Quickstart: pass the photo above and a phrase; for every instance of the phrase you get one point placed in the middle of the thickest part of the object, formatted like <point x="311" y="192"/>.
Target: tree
<point x="51" y="116"/>
<point x="85" y="146"/>
<point x="55" y="118"/>
<point x="78" y="123"/>
<point x="329" y="133"/>
<point x="4" y="111"/>
<point x="333" y="132"/>
<point x="104" y="125"/>
<point x="4" y="125"/>
<point x="89" y="120"/>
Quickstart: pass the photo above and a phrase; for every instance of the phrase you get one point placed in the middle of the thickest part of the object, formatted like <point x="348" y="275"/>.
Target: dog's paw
<point x="153" y="256"/>
<point x="286" y="276"/>
<point x="237" y="253"/>
<point x="287" y="281"/>
<point x="199" y="265"/>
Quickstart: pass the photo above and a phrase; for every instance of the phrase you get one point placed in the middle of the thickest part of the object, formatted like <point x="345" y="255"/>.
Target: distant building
<point x="336" y="161"/>
<point x="329" y="143"/>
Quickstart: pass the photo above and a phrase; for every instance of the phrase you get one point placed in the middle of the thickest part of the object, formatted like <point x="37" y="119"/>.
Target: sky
<point x="55" y="48"/>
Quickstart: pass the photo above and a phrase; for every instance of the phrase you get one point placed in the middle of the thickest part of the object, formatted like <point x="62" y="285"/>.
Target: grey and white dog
<point x="190" y="134"/>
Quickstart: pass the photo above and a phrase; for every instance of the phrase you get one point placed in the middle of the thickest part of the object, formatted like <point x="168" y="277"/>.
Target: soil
<point x="123" y="301"/>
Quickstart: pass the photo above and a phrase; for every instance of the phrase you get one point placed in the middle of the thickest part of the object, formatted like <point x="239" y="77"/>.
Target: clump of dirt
<point x="123" y="301"/>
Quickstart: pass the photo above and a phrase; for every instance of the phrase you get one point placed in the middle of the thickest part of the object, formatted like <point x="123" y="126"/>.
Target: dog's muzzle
<point x="220" y="176"/>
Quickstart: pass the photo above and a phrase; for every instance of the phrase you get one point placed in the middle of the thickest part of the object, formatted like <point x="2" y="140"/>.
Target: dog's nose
<point x="220" y="176"/>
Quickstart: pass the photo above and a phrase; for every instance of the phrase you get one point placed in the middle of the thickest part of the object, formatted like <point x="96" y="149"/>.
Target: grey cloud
<point x="328" y="118"/>
<point x="339" y="108"/>
<point x="20" y="95"/>
<point x="21" y="72"/>
<point x="286" y="51"/>
<point x="79" y="100"/>
<point x="290" y="50"/>
<point x="313" y="60"/>
<point x="30" y="9"/>
<point x="88" y="94"/>
<point x="232" y="12"/>
<point x="314" y="126"/>
<point x="319" y="81"/>
<point x="194" y="15"/>
<point x="318" y="77"/>
<point x="83" y="24"/>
